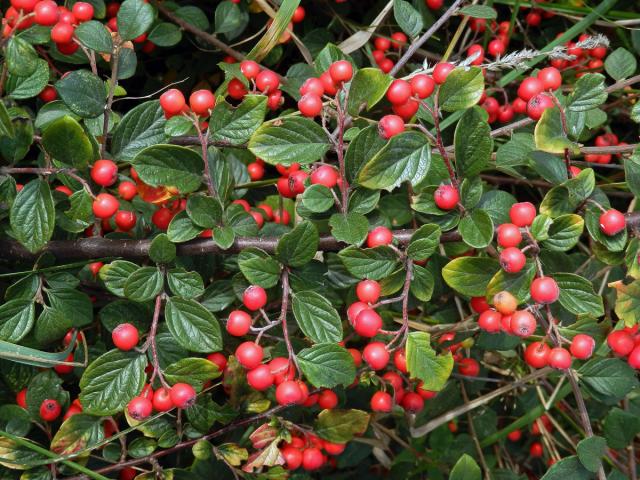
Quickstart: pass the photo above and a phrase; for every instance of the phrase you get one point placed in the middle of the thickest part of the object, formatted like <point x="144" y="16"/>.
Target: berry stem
<point x="113" y="83"/>
<point x="344" y="186"/>
<point x="440" y="144"/>
<point x="284" y="278"/>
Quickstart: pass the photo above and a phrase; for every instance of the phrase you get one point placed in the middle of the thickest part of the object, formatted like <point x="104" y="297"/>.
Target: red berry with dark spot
<point x="139" y="408"/>
<point x="182" y="395"/>
<point x="50" y="410"/>
<point x="390" y="126"/>
<point x="512" y="259"/>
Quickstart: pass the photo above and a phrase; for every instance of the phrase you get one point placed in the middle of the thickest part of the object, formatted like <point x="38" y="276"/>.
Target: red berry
<point x="400" y="39"/>
<point x="267" y="81"/>
<point x="236" y="89"/>
<point x="298" y="15"/>
<point x="412" y="402"/>
<point x="201" y="102"/>
<point x="506" y="113"/>
<point x="536" y="450"/>
<point x="281" y="217"/>
<point x="634" y="358"/>
<point x="537" y="105"/>
<point x="182" y="395"/>
<point x="83" y="11"/>
<point x="544" y="290"/>
<point x="162" y="400"/>
<point x="127" y="190"/>
<point x="368" y="323"/>
<point x="523" y="323"/>
<point x="312" y="459"/>
<point x="104" y="172"/>
<point x="139" y="408"/>
<point x="476" y="49"/>
<point x="21" y="398"/>
<point x="218" y="359"/>
<point x="559" y="358"/>
<point x="95" y="267"/>
<point x="469" y="367"/>
<point x="598" y="52"/>
<point x="479" y="304"/>
<point x="260" y="377"/>
<point x="25" y="5"/>
<point x="125" y="220"/>
<point x="537" y="354"/>
<point x="65" y="369"/>
<point x="434" y="4"/>
<point x="62" y="33"/>
<point x="379" y="236"/>
<point x="249" y="69"/>
<point x="490" y="321"/>
<point x="49" y="94"/>
<point x="390" y="126"/>
<point x="550" y="77"/>
<point x="441" y="71"/>
<point x="406" y="110"/>
<point x="239" y="323"/>
<point x="582" y="346"/>
<point x="125" y="336"/>
<point x="368" y="291"/>
<point x="325" y="175"/>
<point x="620" y="342"/>
<point x="162" y="217"/>
<point x="334" y="448"/>
<point x="399" y="92"/>
<point x="382" y="44"/>
<point x="354" y="310"/>
<point x="254" y="298"/>
<point x="50" y="410"/>
<point x="496" y="47"/>
<point x="310" y="105"/>
<point x="292" y="457"/>
<point x="612" y="222"/>
<point x="172" y="101"/>
<point x="400" y="360"/>
<point x="522" y="214"/>
<point x="329" y="85"/>
<point x="512" y="259"/>
<point x="327" y="399"/>
<point x="508" y="235"/>
<point x="341" y="71"/>
<point x="519" y="106"/>
<point x="289" y="393"/>
<point x="376" y="355"/>
<point x="128" y="473"/>
<point x="312" y="85"/>
<point x="446" y="197"/>
<point x="255" y="171"/>
<point x="529" y="88"/>
<point x="249" y="355"/>
<point x="422" y="85"/>
<point x="515" y="435"/>
<point x="381" y="402"/>
<point x="46" y="12"/>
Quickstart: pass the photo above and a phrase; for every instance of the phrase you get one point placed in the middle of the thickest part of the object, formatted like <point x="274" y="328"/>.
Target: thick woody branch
<point x="98" y="247"/>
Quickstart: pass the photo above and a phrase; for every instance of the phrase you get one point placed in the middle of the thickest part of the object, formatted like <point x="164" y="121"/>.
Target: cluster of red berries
<point x="382" y="45"/>
<point x="105" y="206"/>
<point x="626" y="343"/>
<point x="328" y="83"/>
<point x="605" y="140"/>
<point x="540" y="425"/>
<point x="539" y="354"/>
<point x="173" y="103"/>
<point x="512" y="259"/>
<point x="533" y="98"/>
<point x="180" y="395"/>
<point x="500" y="30"/>
<point x="307" y="452"/>
<point x="585" y="61"/>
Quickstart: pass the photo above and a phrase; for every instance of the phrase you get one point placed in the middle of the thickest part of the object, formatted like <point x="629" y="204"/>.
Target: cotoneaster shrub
<point x="273" y="239"/>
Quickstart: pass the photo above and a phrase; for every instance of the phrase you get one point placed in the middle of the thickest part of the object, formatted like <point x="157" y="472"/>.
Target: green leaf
<point x="351" y="228"/>
<point x="161" y="249"/>
<point x="78" y="432"/>
<point x="236" y="125"/>
<point x="165" y="35"/>
<point x="627" y="301"/>
<point x="588" y="93"/>
<point x="141" y="127"/>
<point x="20" y="88"/>
<point x="317" y="198"/>
<point x="193" y="326"/>
<point x="65" y="140"/>
<point x="258" y="267"/>
<point x="620" y="428"/>
<point x="462" y="89"/>
<point x="364" y="146"/>
<point x="32" y="215"/>
<point x="517" y="284"/>
<point x="590" y="452"/>
<point x="422" y="283"/>
<point x="476" y="229"/>
<point x="185" y="284"/>
<point x="115" y="275"/>
<point x="473" y="142"/>
<point x="95" y="36"/>
<point x="564" y="233"/>
<point x="339" y="426"/>
<point x="565" y="198"/>
<point x="328" y="55"/>
<point x="111" y="381"/>
<point x="424" y="242"/>
<point x="516" y="151"/>
<point x="228" y="17"/>
<point x="609" y="377"/>
<point x="470" y="275"/>
<point x="408" y="18"/>
<point x="373" y="263"/>
<point x="134" y="18"/>
<point x="204" y="211"/>
<point x="327" y="365"/>
<point x="479" y="11"/>
<point x="423" y="362"/>
<point x="568" y="468"/>
<point x="465" y="468"/>
<point x="193" y="15"/>
<point x="632" y="173"/>
<point x="83" y="92"/>
<point x="16" y="319"/>
<point x="80" y="213"/>
<point x="73" y="304"/>
<point x="316" y="317"/>
<point x="192" y="371"/>
<point x="549" y="136"/>
<point x="172" y="165"/>
<point x="406" y="157"/>
<point x="368" y="87"/>
<point x="21" y="57"/>
<point x="299" y="246"/>
<point x="577" y="295"/>
<point x="289" y="140"/>
<point x="620" y="64"/>
<point x="6" y="127"/>
<point x="182" y="229"/>
<point x="144" y="284"/>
